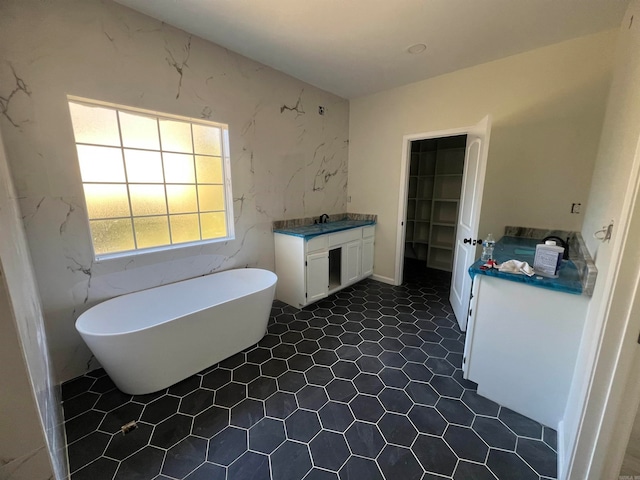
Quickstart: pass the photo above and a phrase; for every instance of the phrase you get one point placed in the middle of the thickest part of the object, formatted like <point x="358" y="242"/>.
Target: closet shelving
<point x="435" y="181"/>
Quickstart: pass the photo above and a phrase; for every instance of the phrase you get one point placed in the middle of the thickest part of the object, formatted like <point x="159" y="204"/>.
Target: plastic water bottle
<point x="487" y="248"/>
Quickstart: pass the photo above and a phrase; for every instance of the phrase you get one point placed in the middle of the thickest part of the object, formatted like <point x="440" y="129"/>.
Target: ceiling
<point x="358" y="47"/>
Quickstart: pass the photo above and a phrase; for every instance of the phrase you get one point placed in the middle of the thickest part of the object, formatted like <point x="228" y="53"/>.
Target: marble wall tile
<point x="29" y="398"/>
<point x="287" y="161"/>
<point x="34" y="465"/>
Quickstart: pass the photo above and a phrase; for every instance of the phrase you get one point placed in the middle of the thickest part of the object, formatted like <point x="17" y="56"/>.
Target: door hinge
<point x="464" y="360"/>
<point x="305" y="294"/>
<point x="470" y="311"/>
<point x="305" y="263"/>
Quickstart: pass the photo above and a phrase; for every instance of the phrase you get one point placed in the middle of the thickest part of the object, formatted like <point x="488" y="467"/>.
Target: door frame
<point x="605" y="420"/>
<point x="404" y="188"/>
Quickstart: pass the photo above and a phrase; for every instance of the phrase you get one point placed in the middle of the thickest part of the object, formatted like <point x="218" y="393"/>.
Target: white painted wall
<point x="30" y="410"/>
<point x="547" y="107"/>
<point x="611" y="198"/>
<point x="286" y="162"/>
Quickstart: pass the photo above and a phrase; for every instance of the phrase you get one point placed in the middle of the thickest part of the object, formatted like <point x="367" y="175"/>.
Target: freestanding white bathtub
<point x="149" y="340"/>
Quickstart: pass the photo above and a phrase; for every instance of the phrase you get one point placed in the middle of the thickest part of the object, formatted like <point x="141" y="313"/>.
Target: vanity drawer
<point x="321" y="242"/>
<point x="345" y="236"/>
<point x="368" y="231"/>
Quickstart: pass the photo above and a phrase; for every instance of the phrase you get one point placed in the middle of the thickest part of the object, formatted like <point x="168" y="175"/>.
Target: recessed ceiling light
<point x="417" y="48"/>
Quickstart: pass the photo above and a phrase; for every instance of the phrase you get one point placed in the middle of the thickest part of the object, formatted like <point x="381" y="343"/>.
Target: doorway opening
<point x="436" y="168"/>
<point x="468" y="186"/>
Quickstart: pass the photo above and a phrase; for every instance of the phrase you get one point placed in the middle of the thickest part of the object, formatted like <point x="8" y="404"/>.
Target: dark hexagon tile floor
<point x="365" y="384"/>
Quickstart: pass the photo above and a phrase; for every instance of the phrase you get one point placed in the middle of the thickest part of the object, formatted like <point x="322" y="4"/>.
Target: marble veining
<point x="298" y="108"/>
<point x="179" y="67"/>
<point x="287" y="161"/>
<point x="27" y="375"/>
<point x="5" y="101"/>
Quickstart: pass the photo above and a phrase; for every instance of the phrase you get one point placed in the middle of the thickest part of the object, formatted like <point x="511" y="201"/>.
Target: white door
<point x="367" y="256"/>
<point x="351" y="262"/>
<point x="317" y="276"/>
<point x="475" y="164"/>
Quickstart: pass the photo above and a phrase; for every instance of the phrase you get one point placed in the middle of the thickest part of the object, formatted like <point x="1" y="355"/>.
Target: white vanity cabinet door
<point x="351" y="262"/>
<point x="302" y="265"/>
<point x="367" y="256"/>
<point x="471" y="323"/>
<point x="522" y="345"/>
<point x="290" y="269"/>
<point x="317" y="276"/>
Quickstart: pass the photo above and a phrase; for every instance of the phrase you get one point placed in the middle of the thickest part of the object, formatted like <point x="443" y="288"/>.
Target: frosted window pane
<point x="214" y="225"/>
<point x="211" y="197"/>
<point x="100" y="164"/>
<point x="106" y="201"/>
<point x="184" y="228"/>
<point x="112" y="236"/>
<point x="150" y="180"/>
<point x="143" y="167"/>
<point x="139" y="131"/>
<point x="151" y="231"/>
<point x="182" y="198"/>
<point x="206" y="140"/>
<point x="147" y="200"/>
<point x="176" y="136"/>
<point x="209" y="169"/>
<point x="92" y="124"/>
<point x="178" y="168"/>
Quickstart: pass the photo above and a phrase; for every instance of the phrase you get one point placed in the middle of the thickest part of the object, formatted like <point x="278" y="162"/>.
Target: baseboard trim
<point x="382" y="279"/>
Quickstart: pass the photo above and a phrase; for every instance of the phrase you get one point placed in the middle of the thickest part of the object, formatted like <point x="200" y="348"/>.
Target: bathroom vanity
<point x="314" y="261"/>
<point x="524" y="332"/>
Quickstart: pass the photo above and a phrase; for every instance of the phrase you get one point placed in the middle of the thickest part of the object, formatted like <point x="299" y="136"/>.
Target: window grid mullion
<point x="126" y="180"/>
<point x="164" y="183"/>
<point x="195" y="173"/>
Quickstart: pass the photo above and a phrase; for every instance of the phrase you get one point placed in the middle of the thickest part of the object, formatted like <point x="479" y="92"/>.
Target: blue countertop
<point x="310" y="231"/>
<point x="524" y="249"/>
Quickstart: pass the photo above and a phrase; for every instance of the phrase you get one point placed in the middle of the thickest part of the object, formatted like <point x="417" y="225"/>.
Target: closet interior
<point x="433" y="197"/>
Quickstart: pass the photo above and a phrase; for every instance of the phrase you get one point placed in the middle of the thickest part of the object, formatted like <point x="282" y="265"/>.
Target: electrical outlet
<point x="321" y="110"/>
<point x="575" y="207"/>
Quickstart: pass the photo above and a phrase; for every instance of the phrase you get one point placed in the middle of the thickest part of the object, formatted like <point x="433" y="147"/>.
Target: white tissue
<point x="517" y="267"/>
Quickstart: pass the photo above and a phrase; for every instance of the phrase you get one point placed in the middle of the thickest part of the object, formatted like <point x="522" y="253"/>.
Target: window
<point x="151" y="180"/>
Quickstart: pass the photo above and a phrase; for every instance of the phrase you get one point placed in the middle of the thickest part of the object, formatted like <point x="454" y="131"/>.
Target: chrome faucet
<point x="324" y="218"/>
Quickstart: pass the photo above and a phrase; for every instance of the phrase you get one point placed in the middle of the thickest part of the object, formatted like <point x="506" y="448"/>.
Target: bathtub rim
<point x="85" y="316"/>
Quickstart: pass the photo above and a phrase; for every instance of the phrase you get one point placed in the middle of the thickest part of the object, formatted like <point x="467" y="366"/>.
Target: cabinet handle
<point x="473" y="241"/>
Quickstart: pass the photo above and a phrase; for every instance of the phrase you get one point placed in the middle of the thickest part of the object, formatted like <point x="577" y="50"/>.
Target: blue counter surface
<point x="310" y="231"/>
<point x="524" y="249"/>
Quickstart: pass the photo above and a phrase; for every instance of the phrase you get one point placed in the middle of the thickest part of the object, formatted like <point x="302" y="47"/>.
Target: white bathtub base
<point x="152" y="358"/>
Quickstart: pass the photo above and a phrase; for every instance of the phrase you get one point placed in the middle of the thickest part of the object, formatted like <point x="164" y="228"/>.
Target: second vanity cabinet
<point x="523" y="334"/>
<point x="311" y="269"/>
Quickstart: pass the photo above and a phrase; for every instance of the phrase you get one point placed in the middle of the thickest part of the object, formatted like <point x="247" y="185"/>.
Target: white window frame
<point x="226" y="173"/>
